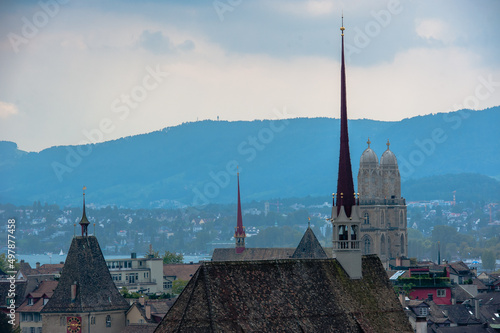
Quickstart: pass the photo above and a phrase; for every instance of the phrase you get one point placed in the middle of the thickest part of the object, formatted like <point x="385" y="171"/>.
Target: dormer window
<point x="30" y="301"/>
<point x="45" y="301"/>
<point x="423" y="311"/>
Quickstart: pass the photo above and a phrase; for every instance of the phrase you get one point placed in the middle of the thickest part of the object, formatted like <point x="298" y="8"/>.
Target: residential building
<point x="173" y="272"/>
<point x="142" y="275"/>
<point x="29" y="311"/>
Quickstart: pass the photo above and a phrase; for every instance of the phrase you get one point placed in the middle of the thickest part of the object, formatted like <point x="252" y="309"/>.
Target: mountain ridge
<point x="195" y="163"/>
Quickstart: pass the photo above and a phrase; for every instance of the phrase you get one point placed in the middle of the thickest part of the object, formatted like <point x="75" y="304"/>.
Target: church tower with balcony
<point x="346" y="220"/>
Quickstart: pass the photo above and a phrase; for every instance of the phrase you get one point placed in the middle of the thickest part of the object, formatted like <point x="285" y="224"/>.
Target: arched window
<point x="342" y="232"/>
<point x="403" y="244"/>
<point x="382" y="245"/>
<point x="343" y="237"/>
<point x="389" y="253"/>
<point x="354" y="237"/>
<point x="367" y="245"/>
<point x="354" y="232"/>
<point x="108" y="321"/>
<point x="367" y="219"/>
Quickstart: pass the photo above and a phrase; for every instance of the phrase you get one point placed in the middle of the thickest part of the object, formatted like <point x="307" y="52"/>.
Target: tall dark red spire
<point x="239" y="232"/>
<point x="345" y="185"/>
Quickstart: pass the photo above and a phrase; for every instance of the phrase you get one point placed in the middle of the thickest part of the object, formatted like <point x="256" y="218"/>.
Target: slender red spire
<point x="345" y="185"/>
<point x="239" y="233"/>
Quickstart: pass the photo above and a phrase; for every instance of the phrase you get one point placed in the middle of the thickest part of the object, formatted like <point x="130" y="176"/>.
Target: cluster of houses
<point x="148" y="276"/>
<point x="450" y="297"/>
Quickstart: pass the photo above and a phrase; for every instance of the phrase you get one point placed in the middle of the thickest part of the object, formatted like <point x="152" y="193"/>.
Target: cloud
<point x="433" y="29"/>
<point x="7" y="110"/>
<point x="158" y="43"/>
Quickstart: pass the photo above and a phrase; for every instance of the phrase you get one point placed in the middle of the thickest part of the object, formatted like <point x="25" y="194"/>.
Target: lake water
<point x="55" y="258"/>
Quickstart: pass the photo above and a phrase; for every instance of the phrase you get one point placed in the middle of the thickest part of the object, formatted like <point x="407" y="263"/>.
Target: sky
<point x="74" y="71"/>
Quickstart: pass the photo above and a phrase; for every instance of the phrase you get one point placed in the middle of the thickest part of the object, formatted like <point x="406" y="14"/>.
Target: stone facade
<point x="108" y="321"/>
<point x="383" y="210"/>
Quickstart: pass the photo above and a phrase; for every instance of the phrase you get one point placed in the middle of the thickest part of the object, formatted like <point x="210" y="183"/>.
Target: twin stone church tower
<point x="383" y="210"/>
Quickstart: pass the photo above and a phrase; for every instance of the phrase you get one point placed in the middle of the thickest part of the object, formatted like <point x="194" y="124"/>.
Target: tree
<point x="173" y="258"/>
<point x="5" y="326"/>
<point x="151" y="253"/>
<point x="4" y="263"/>
<point x="489" y="260"/>
<point x="178" y="286"/>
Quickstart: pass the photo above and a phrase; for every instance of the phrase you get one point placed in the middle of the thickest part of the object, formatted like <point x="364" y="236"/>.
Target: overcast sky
<point x="76" y="71"/>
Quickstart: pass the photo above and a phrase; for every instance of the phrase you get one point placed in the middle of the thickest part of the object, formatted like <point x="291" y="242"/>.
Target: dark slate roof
<point x="96" y="291"/>
<point x="286" y="296"/>
<point x="21" y="287"/>
<point x="460" y="294"/>
<point x="461" y="329"/>
<point x="269" y="253"/>
<point x="459" y="314"/>
<point x="309" y="247"/>
<point x="139" y="328"/>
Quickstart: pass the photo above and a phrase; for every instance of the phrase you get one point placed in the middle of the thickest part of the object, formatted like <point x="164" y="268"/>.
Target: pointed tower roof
<point x="84" y="222"/>
<point x="95" y="290"/>
<point x="345" y="184"/>
<point x="309" y="247"/>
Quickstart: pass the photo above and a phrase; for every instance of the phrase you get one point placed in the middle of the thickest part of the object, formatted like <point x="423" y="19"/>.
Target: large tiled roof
<point x="95" y="288"/>
<point x="291" y="295"/>
<point x="268" y="253"/>
<point x="180" y="271"/>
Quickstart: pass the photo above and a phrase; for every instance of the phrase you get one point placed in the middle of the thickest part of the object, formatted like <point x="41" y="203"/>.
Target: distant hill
<point x="468" y="187"/>
<point x="194" y="163"/>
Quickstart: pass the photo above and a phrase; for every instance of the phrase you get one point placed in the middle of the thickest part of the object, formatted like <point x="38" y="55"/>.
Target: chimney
<point x="476" y="308"/>
<point x="421" y="325"/>
<point x="439" y="253"/>
<point x="148" y="312"/>
<point x="141" y="300"/>
<point x="73" y="291"/>
<point x="37" y="265"/>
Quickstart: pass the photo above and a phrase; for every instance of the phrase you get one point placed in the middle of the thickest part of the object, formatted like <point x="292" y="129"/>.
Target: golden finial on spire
<point x="388" y="144"/>
<point x="342" y="27"/>
<point x="84" y="188"/>
<point x="368" y="142"/>
<point x="309" y="222"/>
<point x="238" y="170"/>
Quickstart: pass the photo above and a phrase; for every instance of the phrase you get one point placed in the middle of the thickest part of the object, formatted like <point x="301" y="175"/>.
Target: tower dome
<point x="388" y="158"/>
<point x="368" y="156"/>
